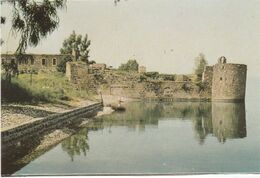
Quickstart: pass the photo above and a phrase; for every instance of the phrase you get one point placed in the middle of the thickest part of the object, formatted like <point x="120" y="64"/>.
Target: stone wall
<point x="12" y="135"/>
<point x="223" y="81"/>
<point x="163" y="90"/>
<point x="36" y="62"/>
<point x="75" y="71"/>
<point x="229" y="81"/>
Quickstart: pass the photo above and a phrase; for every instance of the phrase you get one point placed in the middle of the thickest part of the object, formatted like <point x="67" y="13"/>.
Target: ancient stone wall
<point x="141" y="69"/>
<point x="229" y="81"/>
<point x="163" y="90"/>
<point x="36" y="62"/>
<point x="223" y="81"/>
<point x="76" y="71"/>
<point x="38" y="126"/>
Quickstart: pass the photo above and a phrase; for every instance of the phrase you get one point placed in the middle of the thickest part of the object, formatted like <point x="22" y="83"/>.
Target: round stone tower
<point x="229" y="81"/>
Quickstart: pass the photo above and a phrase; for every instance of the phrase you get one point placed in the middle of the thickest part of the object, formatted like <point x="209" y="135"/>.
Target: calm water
<point x="180" y="137"/>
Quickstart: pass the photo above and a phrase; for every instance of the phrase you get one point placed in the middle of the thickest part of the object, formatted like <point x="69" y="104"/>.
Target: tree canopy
<point x="78" y="45"/>
<point x="34" y="20"/>
<point x="131" y="65"/>
<point x="200" y="63"/>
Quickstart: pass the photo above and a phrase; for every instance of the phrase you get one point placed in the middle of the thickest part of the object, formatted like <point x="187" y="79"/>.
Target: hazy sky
<point x="163" y="35"/>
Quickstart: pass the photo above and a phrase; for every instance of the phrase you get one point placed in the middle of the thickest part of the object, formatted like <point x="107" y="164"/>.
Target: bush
<point x="142" y="78"/>
<point x="202" y="86"/>
<point x="153" y="75"/>
<point x="186" y="87"/>
<point x="168" y="77"/>
<point x="61" y="67"/>
<point x="131" y="65"/>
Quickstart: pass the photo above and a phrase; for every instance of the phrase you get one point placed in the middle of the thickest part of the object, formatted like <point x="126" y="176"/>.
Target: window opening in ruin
<point x="26" y="61"/>
<point x="54" y="62"/>
<point x="43" y="62"/>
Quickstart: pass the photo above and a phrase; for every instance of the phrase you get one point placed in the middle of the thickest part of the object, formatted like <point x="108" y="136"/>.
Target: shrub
<point x="61" y="67"/>
<point x="202" y="85"/>
<point x="131" y="65"/>
<point x="168" y="77"/>
<point x="153" y="75"/>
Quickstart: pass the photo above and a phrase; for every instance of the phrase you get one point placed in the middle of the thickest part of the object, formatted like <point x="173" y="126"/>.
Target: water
<point x="164" y="138"/>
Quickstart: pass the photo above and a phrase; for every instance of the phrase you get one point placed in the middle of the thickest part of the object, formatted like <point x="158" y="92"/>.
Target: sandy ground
<point x="16" y="114"/>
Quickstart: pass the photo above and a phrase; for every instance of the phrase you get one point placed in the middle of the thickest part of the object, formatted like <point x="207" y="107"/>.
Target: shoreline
<point x="13" y="115"/>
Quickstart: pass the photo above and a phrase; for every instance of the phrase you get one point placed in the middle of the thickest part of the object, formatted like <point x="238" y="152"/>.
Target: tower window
<point x="43" y="62"/>
<point x="220" y="78"/>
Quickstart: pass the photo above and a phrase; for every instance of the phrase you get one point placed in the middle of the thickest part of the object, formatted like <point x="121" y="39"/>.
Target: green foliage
<point x="61" y="67"/>
<point x="168" y="77"/>
<point x="34" y="20"/>
<point x="131" y="65"/>
<point x="77" y="44"/>
<point x="76" y="144"/>
<point x="9" y="68"/>
<point x="45" y="87"/>
<point x="142" y="78"/>
<point x="200" y="63"/>
<point x="152" y="75"/>
<point x="186" y="87"/>
<point x="202" y="85"/>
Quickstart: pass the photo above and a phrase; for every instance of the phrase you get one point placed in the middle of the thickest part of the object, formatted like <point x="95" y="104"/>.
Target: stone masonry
<point x="28" y="62"/>
<point x="229" y="81"/>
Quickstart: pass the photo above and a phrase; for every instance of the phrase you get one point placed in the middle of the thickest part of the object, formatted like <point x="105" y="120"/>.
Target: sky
<point x="163" y="35"/>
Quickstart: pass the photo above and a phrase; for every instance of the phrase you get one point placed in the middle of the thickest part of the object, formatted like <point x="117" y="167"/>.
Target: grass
<point x="44" y="87"/>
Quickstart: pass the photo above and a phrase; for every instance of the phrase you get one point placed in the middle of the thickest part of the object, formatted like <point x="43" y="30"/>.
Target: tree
<point x="9" y="69"/>
<point x="200" y="63"/>
<point x="75" y="44"/>
<point x="61" y="67"/>
<point x="34" y="20"/>
<point x="131" y="65"/>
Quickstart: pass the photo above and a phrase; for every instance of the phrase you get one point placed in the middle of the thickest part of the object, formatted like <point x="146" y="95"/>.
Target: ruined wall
<point x="141" y="69"/>
<point x="36" y="62"/>
<point x="229" y="81"/>
<point x="76" y="71"/>
<point x="158" y="90"/>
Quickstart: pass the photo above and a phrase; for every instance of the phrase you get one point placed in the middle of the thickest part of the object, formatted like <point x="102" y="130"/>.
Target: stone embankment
<point x="41" y="125"/>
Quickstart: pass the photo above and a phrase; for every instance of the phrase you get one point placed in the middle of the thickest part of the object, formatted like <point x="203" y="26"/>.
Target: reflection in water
<point x="76" y="144"/>
<point x="229" y="120"/>
<point x="221" y="120"/>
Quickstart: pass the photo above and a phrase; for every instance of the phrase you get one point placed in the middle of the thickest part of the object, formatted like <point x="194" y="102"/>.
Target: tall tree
<point x="200" y="63"/>
<point x="78" y="45"/>
<point x="34" y="20"/>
